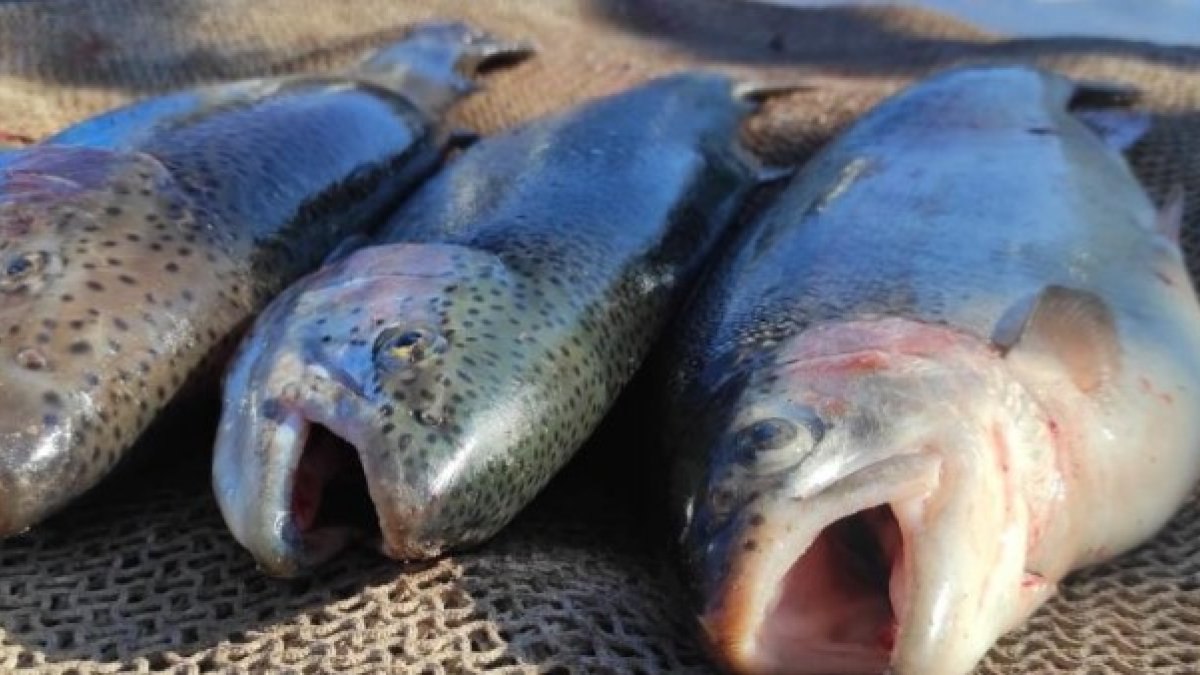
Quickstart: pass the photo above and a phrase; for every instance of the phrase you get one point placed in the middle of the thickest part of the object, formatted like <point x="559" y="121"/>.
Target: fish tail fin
<point x="1169" y="220"/>
<point x="756" y="94"/>
<point x="445" y="57"/>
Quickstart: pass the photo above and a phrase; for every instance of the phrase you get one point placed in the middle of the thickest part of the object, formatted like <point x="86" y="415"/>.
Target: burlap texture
<point x="143" y="577"/>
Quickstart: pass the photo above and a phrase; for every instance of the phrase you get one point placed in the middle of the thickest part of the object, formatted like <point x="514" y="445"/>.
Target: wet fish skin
<point x="137" y="243"/>
<point x="473" y="347"/>
<point x="950" y="364"/>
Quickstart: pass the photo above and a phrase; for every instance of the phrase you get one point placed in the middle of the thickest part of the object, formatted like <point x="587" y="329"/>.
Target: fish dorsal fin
<point x="1075" y="327"/>
<point x="1169" y="221"/>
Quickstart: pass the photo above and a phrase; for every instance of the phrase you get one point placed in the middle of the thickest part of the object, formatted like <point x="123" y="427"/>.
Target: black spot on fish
<point x="80" y="347"/>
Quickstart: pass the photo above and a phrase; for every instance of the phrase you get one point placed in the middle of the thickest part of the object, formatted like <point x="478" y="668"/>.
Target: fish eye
<point x="398" y="346"/>
<point x="774" y="433"/>
<point x="20" y="267"/>
<point x="769" y="434"/>
<point x="24" y="263"/>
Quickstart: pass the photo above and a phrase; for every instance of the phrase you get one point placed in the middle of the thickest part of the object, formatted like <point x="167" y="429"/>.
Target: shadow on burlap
<point x="142" y="576"/>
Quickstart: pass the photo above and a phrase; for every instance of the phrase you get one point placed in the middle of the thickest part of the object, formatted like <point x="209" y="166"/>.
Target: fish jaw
<point x="319" y="371"/>
<point x="898" y="545"/>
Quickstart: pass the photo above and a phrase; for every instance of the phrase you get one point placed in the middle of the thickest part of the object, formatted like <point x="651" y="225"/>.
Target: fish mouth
<point x="834" y="612"/>
<point x="329" y="488"/>
<point x="327" y="503"/>
<point x="823" y="587"/>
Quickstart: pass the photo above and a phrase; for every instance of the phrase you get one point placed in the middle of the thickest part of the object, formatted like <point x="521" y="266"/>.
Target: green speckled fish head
<point x="398" y="344"/>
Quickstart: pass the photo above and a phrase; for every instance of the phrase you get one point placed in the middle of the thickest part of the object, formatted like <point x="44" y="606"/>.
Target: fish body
<point x="137" y="243"/>
<point x="956" y="359"/>
<point x="469" y="350"/>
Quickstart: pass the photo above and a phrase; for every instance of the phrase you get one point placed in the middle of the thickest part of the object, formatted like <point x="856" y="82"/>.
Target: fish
<point x="137" y="244"/>
<point x="954" y="359"/>
<point x="459" y="360"/>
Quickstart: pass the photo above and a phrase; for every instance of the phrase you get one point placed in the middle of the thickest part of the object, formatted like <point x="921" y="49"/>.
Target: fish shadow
<point x="144" y="573"/>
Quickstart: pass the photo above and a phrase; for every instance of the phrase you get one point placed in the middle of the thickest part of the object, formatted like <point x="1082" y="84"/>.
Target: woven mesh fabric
<point x="142" y="576"/>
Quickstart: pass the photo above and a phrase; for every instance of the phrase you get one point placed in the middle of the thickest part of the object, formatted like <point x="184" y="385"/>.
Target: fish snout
<point x="38" y="473"/>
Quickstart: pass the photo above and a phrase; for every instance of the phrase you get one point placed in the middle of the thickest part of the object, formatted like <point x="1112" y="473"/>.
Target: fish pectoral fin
<point x="1036" y="589"/>
<point x="1169" y="220"/>
<point x="1074" y="326"/>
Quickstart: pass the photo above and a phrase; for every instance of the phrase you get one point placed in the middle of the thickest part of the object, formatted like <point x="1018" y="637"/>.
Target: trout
<point x="464" y="356"/>
<point x="956" y="359"/>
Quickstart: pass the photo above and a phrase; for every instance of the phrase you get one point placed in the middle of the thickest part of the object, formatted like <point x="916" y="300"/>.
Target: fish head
<point x="62" y="210"/>
<point x="859" y="512"/>
<point x="348" y="409"/>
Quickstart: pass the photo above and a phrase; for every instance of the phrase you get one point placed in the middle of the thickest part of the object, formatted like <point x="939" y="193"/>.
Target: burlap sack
<point x="143" y="577"/>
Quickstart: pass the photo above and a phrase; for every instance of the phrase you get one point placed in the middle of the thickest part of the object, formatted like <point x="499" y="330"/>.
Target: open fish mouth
<point x="329" y="492"/>
<point x="820" y="585"/>
<point x="834" y="612"/>
<point x="310" y="501"/>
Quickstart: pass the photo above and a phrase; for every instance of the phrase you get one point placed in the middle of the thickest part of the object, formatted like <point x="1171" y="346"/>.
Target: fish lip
<point x="734" y="619"/>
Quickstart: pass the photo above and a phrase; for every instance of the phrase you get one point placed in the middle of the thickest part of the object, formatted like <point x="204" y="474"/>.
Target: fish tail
<point x="756" y="94"/>
<point x="447" y="55"/>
